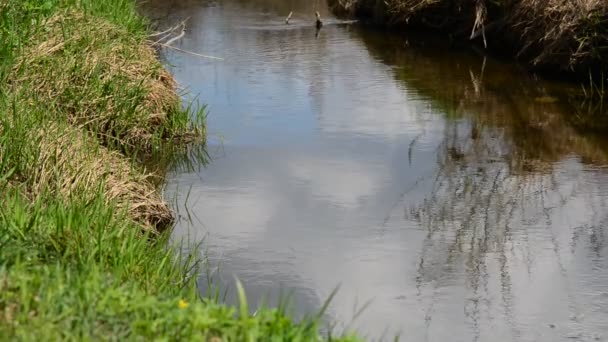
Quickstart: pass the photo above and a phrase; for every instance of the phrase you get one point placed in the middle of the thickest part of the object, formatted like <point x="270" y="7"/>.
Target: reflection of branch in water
<point x="410" y="149"/>
<point x="506" y="290"/>
<point x="400" y="198"/>
<point x="479" y="203"/>
<point x="478" y="81"/>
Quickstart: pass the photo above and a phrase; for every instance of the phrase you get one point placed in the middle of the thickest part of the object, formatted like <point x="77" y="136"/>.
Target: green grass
<point x="82" y="252"/>
<point x="76" y="271"/>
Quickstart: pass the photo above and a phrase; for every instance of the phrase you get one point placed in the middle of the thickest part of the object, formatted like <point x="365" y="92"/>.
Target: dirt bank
<point x="552" y="35"/>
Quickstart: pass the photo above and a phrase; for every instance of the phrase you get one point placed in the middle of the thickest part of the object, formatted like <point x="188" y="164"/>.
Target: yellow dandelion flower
<point x="182" y="304"/>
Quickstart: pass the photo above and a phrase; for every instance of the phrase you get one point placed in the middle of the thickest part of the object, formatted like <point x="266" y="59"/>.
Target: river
<point x="452" y="196"/>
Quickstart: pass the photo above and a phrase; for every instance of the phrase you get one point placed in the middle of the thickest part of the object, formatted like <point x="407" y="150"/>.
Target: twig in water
<point x="288" y="17"/>
<point x="156" y="34"/>
<point x="166" y="35"/>
<point x="179" y="36"/>
<point x="190" y="52"/>
<point x="318" y="23"/>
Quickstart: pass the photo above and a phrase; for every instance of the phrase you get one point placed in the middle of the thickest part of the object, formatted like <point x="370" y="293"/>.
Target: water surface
<point x="459" y="197"/>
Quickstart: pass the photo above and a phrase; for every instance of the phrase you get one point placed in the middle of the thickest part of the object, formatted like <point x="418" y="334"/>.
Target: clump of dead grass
<point x="565" y="33"/>
<point x="71" y="165"/>
<point x="555" y="34"/>
<point x="101" y="78"/>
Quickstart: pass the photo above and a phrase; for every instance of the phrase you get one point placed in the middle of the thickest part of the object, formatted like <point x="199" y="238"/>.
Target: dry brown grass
<point x="73" y="166"/>
<point x="560" y="34"/>
<point x="70" y="68"/>
<point x="102" y="93"/>
<point x="566" y="33"/>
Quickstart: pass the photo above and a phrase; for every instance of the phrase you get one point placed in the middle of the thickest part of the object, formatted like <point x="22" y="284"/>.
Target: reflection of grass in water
<point x="486" y="200"/>
<point x="497" y="176"/>
<point x="174" y="158"/>
<point x="590" y="107"/>
<point x="536" y="115"/>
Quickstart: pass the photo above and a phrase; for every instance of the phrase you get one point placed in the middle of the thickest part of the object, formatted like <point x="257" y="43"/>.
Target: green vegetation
<point x="83" y="244"/>
<point x="73" y="271"/>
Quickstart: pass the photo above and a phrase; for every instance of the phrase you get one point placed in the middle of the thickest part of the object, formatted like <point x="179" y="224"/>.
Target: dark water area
<point x="455" y="197"/>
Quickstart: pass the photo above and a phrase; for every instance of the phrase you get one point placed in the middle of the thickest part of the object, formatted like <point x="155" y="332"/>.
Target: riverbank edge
<point x="83" y="228"/>
<point x="558" y="38"/>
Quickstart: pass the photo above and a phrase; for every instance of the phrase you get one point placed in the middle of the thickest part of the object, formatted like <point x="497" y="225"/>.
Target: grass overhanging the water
<point x="83" y="228"/>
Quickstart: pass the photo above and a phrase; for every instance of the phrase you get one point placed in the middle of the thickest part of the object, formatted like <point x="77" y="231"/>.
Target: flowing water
<point x="452" y="196"/>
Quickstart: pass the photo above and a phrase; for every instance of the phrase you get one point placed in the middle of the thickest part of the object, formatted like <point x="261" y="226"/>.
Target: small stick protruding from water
<point x="179" y="36"/>
<point x="189" y="52"/>
<point x="319" y="23"/>
<point x="288" y="17"/>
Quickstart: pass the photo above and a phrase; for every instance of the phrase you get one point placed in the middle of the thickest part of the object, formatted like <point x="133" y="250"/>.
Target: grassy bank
<point x="83" y="229"/>
<point x="553" y="35"/>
